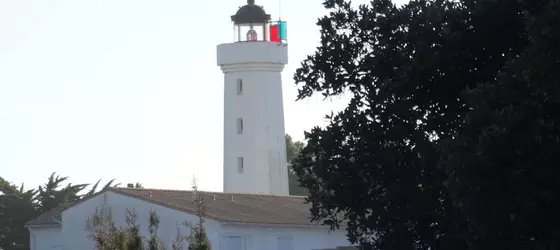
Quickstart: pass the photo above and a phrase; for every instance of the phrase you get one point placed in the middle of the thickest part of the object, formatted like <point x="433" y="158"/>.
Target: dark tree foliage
<point x="154" y="241"/>
<point x="293" y="148"/>
<point x="18" y="206"/>
<point x="504" y="162"/>
<point x="133" y="231"/>
<point x="375" y="166"/>
<point x="50" y="194"/>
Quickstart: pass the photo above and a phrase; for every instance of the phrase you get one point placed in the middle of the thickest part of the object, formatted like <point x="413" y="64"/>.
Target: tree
<point x="107" y="236"/>
<point x="292" y="150"/>
<point x="133" y="232"/>
<point x="197" y="238"/>
<point x="503" y="162"/>
<point x="18" y="206"/>
<point x="94" y="190"/>
<point x="374" y="167"/>
<point x="50" y="195"/>
<point x="154" y="243"/>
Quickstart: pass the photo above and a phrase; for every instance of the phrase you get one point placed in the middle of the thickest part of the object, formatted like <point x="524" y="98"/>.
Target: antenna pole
<point x="279" y="10"/>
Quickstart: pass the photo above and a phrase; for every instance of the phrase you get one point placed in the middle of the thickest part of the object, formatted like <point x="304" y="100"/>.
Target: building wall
<point x="222" y="236"/>
<point x="259" y="103"/>
<point x="45" y="238"/>
<point x="74" y="219"/>
<point x="270" y="238"/>
<point x="74" y="234"/>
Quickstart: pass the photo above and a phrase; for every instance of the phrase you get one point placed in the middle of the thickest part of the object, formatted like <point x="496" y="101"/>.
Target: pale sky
<point x="130" y="89"/>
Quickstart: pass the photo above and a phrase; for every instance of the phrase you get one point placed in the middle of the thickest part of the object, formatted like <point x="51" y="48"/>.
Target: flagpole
<point x="279" y="10"/>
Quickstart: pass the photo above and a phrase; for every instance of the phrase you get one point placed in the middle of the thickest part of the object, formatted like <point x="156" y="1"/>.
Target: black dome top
<point x="250" y="13"/>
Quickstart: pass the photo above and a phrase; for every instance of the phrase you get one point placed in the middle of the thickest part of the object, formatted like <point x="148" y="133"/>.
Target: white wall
<point x="74" y="220"/>
<point x="262" y="143"/>
<point x="45" y="238"/>
<point x="74" y="235"/>
<point x="266" y="237"/>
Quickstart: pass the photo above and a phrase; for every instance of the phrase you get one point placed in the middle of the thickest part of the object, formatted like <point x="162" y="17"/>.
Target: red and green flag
<point x="277" y="31"/>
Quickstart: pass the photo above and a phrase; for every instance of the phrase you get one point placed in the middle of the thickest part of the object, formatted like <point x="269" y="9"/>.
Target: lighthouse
<point x="254" y="134"/>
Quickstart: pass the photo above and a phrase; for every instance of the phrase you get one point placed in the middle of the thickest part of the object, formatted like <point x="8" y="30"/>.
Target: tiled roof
<point x="224" y="207"/>
<point x="228" y="207"/>
<point x="50" y="217"/>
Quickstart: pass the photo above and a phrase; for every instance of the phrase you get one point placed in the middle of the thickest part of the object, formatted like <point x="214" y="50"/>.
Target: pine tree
<point x="198" y="239"/>
<point x="19" y="206"/>
<point x="134" y="241"/>
<point x="153" y="242"/>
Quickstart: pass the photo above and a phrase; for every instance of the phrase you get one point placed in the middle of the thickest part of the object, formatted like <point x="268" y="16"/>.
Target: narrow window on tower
<point x="240" y="125"/>
<point x="239" y="86"/>
<point x="240" y="164"/>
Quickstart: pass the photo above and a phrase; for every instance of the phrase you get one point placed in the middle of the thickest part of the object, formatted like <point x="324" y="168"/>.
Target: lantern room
<point x="252" y="24"/>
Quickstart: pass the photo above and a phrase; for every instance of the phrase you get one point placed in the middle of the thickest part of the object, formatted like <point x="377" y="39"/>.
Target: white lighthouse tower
<point x="254" y="135"/>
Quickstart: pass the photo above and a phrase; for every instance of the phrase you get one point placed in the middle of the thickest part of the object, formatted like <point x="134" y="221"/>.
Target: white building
<point x="255" y="211"/>
<point x="254" y="136"/>
<point x="233" y="221"/>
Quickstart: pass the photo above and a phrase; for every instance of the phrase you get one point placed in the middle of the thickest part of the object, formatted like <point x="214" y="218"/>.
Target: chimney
<point x="130" y="185"/>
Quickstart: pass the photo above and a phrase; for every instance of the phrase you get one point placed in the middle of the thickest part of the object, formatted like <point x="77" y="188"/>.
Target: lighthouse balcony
<point x="261" y="52"/>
